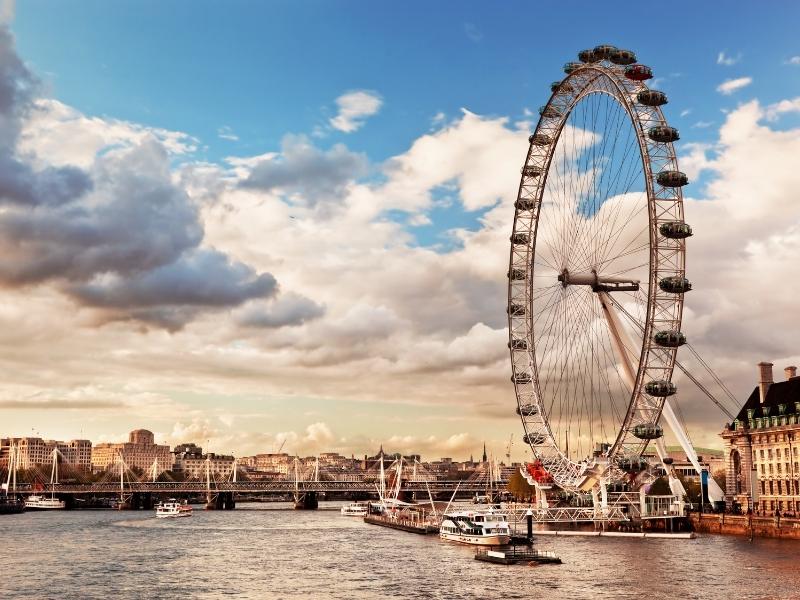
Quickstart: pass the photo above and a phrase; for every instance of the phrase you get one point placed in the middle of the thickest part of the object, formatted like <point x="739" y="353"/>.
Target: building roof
<point x="780" y="392"/>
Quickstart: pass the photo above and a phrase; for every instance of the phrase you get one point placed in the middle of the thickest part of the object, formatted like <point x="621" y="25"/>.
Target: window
<point x="779" y="468"/>
<point x="762" y="468"/>
<point x="762" y="454"/>
<point x="786" y="453"/>
<point x="770" y="468"/>
<point x="769" y="454"/>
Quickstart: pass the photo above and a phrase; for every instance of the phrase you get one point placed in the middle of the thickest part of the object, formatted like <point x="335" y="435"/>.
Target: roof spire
<point x="484" y="452"/>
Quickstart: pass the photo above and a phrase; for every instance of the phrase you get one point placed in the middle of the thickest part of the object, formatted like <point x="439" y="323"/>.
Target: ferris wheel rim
<point x="566" y="472"/>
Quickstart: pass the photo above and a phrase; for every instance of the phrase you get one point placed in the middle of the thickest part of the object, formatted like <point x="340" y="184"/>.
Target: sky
<point x="254" y="225"/>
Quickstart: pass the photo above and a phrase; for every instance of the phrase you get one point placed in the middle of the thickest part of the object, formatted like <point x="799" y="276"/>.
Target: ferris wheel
<point x="597" y="272"/>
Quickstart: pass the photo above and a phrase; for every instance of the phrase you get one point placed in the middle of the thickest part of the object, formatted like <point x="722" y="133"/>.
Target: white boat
<point x="481" y="528"/>
<point x="173" y="509"/>
<point x="354" y="509"/>
<point x="43" y="503"/>
<point x="36" y="502"/>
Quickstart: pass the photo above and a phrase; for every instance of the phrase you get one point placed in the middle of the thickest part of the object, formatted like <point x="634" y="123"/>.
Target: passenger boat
<point x="173" y="508"/>
<point x="354" y="509"/>
<point x="42" y="503"/>
<point x="481" y="528"/>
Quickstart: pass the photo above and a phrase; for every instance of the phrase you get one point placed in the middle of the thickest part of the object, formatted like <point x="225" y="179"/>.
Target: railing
<point x="178" y="487"/>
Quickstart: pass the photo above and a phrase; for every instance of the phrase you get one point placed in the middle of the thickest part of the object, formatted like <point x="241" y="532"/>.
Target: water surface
<point x="269" y="551"/>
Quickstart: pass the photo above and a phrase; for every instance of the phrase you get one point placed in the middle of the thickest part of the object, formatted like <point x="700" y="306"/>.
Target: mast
<point x="54" y="473"/>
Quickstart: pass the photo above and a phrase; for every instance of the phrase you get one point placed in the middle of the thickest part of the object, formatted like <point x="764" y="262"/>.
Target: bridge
<point x="254" y="487"/>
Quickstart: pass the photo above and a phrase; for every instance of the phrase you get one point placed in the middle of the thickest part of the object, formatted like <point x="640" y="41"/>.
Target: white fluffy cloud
<point x="354" y="109"/>
<point x="729" y="86"/>
<point x="728" y="61"/>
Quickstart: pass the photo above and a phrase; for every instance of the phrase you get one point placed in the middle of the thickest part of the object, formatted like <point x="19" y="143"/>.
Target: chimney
<point x="790" y="372"/>
<point x="764" y="378"/>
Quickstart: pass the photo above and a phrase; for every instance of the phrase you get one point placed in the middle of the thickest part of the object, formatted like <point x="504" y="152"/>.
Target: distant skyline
<point x="244" y="223"/>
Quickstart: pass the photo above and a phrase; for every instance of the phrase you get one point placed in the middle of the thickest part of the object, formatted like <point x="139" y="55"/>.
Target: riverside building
<point x="189" y="460"/>
<point x="139" y="451"/>
<point x="762" y="459"/>
<point x="35" y="451"/>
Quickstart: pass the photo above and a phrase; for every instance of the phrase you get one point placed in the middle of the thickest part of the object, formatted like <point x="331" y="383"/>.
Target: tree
<point x="518" y="487"/>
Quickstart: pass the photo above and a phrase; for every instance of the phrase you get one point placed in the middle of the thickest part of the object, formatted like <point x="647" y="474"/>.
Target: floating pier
<point x="516" y="556"/>
<point x="403" y="524"/>
<point x="631" y="534"/>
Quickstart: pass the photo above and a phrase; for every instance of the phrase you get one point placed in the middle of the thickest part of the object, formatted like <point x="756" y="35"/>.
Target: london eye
<point x="596" y="275"/>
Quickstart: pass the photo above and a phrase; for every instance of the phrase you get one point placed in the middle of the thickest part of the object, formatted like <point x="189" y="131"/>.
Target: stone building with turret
<point x="762" y="458"/>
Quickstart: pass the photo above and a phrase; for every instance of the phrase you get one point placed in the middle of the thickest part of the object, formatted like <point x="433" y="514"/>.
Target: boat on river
<point x="355" y="509"/>
<point x="480" y="528"/>
<point x="173" y="509"/>
<point x="36" y="502"/>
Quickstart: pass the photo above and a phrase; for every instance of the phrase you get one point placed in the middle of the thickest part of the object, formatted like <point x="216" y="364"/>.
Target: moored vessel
<point x="36" y="502"/>
<point x="354" y="509"/>
<point x="481" y="528"/>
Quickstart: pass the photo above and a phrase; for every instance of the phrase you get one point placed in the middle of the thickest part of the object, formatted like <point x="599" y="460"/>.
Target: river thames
<point x="271" y="551"/>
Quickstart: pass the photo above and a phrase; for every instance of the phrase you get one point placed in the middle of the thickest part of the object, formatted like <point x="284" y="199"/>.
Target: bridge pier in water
<point x="306" y="501"/>
<point x="222" y="501"/>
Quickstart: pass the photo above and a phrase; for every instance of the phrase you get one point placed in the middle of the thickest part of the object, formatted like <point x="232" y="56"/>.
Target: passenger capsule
<point x="549" y="112"/>
<point x="603" y="51"/>
<point x="516" y="310"/>
<point x="531" y="171"/>
<point x="672" y="178"/>
<point x="648" y="431"/>
<point x="561" y="86"/>
<point x="540" y="139"/>
<point x="516" y="274"/>
<point x="518" y="344"/>
<point x="622" y="57"/>
<point x="669" y="339"/>
<point x="524" y="204"/>
<point x="528" y="410"/>
<point x="520" y="239"/>
<point x="571" y="66"/>
<point x="668" y="460"/>
<point x="534" y="439"/>
<point x="660" y="388"/>
<point x="675" y="285"/>
<point x="587" y="56"/>
<point x="663" y="133"/>
<point x="651" y="97"/>
<point x="521" y="378"/>
<point x="675" y="230"/>
<point x="638" y="72"/>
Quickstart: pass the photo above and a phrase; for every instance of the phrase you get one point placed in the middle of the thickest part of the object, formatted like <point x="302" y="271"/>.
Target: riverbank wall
<point x="746" y="525"/>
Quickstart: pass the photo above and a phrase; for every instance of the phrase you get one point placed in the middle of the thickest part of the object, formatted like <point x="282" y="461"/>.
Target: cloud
<point x="794" y="60"/>
<point x="287" y="310"/>
<point x="171" y="295"/>
<point x="118" y="233"/>
<point x="723" y="59"/>
<point x="774" y="111"/>
<point x="305" y="173"/>
<point x="472" y="32"/>
<point x="729" y="86"/>
<point x="354" y="108"/>
<point x="7" y="11"/>
<point x="702" y="124"/>
<point x="686" y="112"/>
<point x="226" y="133"/>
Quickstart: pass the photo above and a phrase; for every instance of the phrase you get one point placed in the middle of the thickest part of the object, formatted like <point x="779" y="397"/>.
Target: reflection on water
<point x="263" y="551"/>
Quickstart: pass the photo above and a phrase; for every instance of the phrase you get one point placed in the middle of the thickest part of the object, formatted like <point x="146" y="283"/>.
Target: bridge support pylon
<point x="306" y="501"/>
